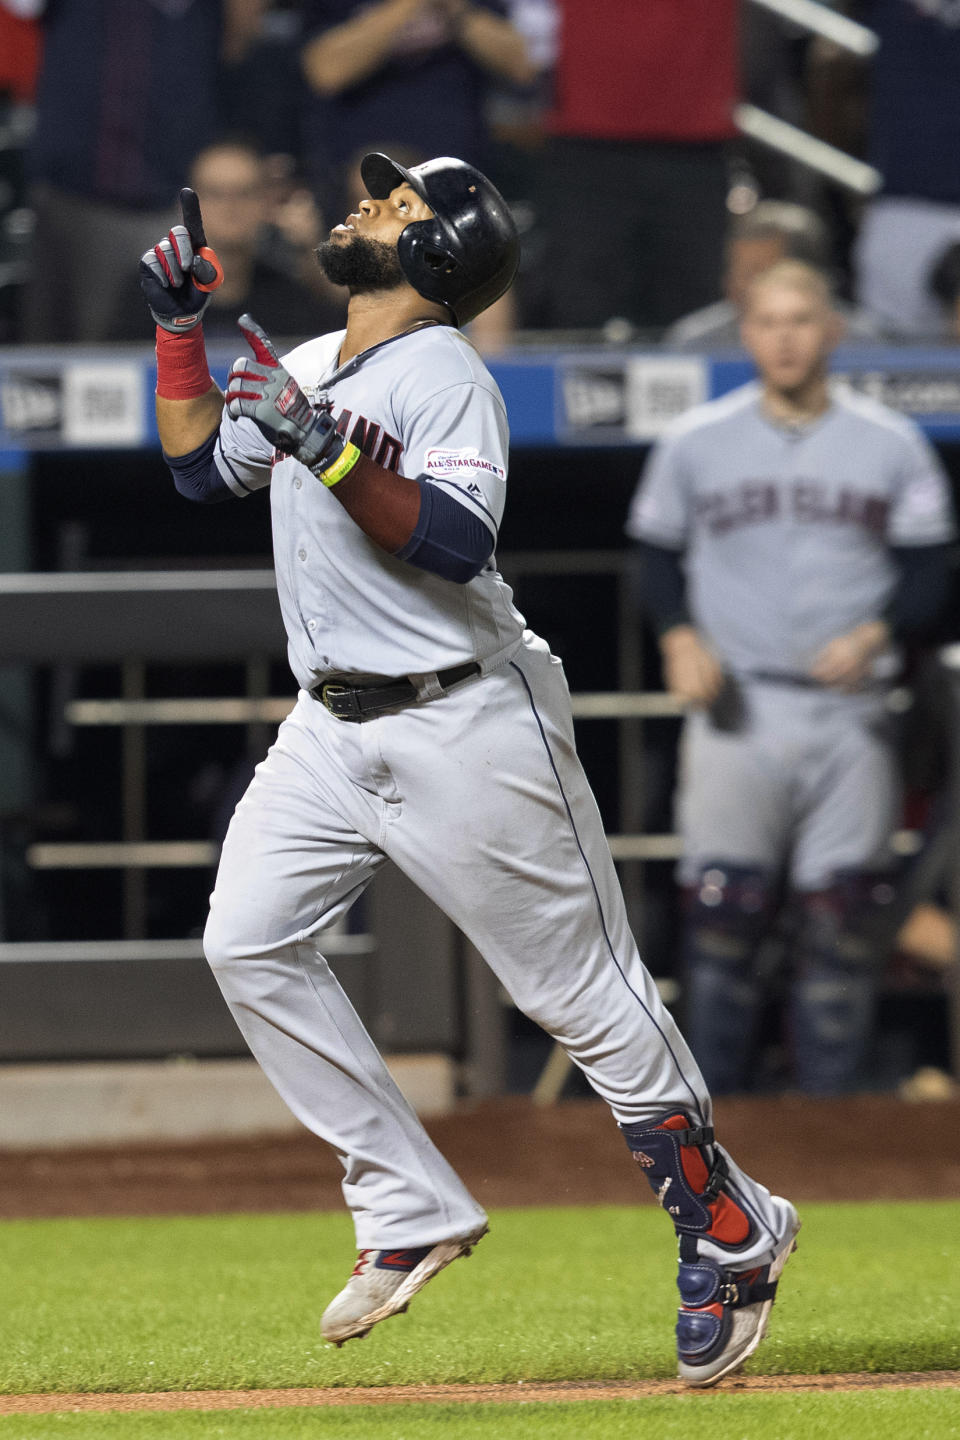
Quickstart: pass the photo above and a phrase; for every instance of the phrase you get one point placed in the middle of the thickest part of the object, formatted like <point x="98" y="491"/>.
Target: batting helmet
<point x="467" y="255"/>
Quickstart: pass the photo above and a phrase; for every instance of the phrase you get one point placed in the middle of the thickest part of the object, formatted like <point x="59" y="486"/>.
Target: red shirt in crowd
<point x="647" y="69"/>
<point x="19" y="56"/>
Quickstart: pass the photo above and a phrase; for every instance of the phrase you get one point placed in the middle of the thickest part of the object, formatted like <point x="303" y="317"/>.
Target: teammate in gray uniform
<point x="434" y="730"/>
<point x="790" y="534"/>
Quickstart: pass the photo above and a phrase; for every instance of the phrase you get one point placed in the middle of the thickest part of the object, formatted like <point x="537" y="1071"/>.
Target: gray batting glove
<point x="179" y="273"/>
<point x="265" y="392"/>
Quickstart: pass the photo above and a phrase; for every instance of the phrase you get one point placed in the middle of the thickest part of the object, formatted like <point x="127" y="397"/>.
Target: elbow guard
<point x="449" y="540"/>
<point x="196" y="475"/>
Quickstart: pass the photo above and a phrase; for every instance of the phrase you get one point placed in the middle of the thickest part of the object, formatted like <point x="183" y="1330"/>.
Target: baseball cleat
<point x="724" y="1313"/>
<point x="384" y="1282"/>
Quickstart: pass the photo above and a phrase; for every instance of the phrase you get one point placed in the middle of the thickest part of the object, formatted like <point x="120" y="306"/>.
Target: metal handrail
<point x="123" y="855"/>
<point x="203" y="854"/>
<point x="587" y="705"/>
<point x="806" y="149"/>
<point x="57" y="952"/>
<point x="822" y="20"/>
<point x="789" y="140"/>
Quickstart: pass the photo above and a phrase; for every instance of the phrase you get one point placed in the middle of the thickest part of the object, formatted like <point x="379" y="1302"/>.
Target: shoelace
<point x="363" y="1260"/>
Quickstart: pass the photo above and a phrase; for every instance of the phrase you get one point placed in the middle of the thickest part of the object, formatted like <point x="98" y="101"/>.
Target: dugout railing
<point x="115" y="617"/>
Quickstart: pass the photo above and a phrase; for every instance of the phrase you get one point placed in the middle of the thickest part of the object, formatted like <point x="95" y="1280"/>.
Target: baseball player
<point x="791" y="534"/>
<point x="431" y="729"/>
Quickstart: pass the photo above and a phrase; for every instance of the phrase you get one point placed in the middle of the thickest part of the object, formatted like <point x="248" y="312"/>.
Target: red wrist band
<point x="182" y="369"/>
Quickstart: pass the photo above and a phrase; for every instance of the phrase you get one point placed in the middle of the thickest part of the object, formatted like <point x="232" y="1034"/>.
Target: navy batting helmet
<point x="467" y="256"/>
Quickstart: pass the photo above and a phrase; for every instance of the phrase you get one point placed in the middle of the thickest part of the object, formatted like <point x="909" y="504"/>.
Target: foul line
<point x="526" y="1391"/>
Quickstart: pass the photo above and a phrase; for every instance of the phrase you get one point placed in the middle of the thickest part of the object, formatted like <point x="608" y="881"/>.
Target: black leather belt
<point x="360" y="702"/>
<point x="785" y="677"/>
<point x="807" y="682"/>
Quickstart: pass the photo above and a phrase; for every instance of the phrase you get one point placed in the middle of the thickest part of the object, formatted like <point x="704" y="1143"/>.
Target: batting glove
<point x="179" y="273"/>
<point x="265" y="392"/>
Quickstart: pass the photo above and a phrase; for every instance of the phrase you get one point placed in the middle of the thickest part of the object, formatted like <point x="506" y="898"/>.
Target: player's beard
<point x="360" y="264"/>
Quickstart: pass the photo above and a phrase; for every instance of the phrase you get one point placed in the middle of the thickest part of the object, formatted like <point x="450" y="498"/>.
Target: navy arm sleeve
<point x="448" y="540"/>
<point x="919" y="598"/>
<point x="196" y="475"/>
<point x="659" y="585"/>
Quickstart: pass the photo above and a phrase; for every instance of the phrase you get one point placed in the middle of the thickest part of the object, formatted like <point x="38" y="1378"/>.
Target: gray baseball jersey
<point x="787" y="537"/>
<point x="787" y="532"/>
<point x="424" y="405"/>
<point x="476" y="793"/>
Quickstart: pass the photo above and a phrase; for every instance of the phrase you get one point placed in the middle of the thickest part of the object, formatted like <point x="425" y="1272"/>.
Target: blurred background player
<point x="790" y="535"/>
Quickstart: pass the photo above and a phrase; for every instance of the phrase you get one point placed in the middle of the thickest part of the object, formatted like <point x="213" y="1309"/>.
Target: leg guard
<point x="727" y="914"/>
<point x="687" y="1174"/>
<point x="842" y="945"/>
<point x="723" y="1309"/>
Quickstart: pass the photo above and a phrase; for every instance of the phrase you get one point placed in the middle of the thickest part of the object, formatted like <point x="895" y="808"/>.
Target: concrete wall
<point x="144" y="1102"/>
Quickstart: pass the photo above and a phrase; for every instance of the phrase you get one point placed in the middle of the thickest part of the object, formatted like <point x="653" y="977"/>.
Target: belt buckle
<point x="341" y="700"/>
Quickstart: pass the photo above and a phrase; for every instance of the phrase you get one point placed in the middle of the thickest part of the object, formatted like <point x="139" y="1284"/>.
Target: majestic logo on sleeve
<point x="469" y="462"/>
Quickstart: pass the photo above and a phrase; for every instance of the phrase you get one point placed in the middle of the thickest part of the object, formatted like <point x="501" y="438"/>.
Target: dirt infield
<point x="521" y="1392"/>
<point x="512" y="1153"/>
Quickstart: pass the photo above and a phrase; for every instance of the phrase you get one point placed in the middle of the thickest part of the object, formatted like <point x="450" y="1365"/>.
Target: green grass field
<point x="231" y="1302"/>
<point x="909" y="1416"/>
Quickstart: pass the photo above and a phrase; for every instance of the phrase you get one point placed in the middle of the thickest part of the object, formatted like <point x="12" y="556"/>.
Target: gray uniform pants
<point x="805" y="788"/>
<point x="808" y="781"/>
<point x="480" y="799"/>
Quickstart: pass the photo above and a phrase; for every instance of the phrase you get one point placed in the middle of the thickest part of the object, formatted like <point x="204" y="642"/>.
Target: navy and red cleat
<point x="724" y="1313"/>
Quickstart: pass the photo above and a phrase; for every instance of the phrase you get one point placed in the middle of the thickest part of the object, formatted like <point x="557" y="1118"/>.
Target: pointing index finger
<point x="190" y="210"/>
<point x="206" y="270"/>
<point x="259" y="341"/>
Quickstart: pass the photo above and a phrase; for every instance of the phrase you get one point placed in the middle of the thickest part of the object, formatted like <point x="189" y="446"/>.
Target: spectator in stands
<point x="19" y="61"/>
<point x="943" y="282"/>
<point x="113" y="143"/>
<point x="773" y="230"/>
<point x="901" y="108"/>
<point x="19" y="49"/>
<point x="634" y="181"/>
<point x="516" y="113"/>
<point x="267" y="66"/>
<point x="412" y="70"/>
<point x="265" y="264"/>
